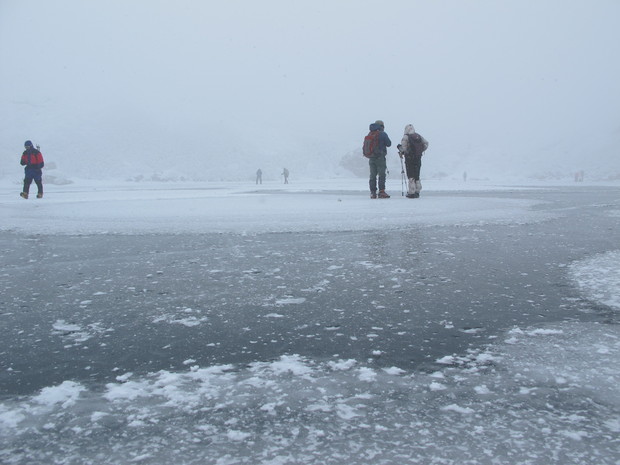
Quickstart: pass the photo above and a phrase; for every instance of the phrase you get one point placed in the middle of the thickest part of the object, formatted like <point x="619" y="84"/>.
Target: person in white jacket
<point x="412" y="147"/>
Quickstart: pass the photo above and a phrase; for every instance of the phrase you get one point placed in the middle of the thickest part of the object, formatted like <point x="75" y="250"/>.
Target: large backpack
<point x="416" y="145"/>
<point x="32" y="158"/>
<point x="371" y="142"/>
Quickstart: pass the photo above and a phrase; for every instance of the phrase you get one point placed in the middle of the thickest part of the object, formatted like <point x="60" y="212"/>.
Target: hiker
<point x="412" y="146"/>
<point x="285" y="174"/>
<point x="376" y="160"/>
<point x="32" y="160"/>
<point x="259" y="176"/>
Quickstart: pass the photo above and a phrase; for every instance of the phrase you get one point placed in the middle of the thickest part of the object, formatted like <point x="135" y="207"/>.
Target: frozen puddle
<point x="543" y="395"/>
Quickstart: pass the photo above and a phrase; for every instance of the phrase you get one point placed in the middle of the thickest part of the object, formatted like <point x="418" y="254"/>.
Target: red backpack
<point x="371" y="141"/>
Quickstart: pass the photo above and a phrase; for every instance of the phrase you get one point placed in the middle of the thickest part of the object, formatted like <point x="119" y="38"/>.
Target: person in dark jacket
<point x="377" y="163"/>
<point x="32" y="160"/>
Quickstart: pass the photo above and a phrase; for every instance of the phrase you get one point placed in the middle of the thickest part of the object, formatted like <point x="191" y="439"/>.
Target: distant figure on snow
<point x="285" y="173"/>
<point x="377" y="142"/>
<point x="579" y="176"/>
<point x="32" y="160"/>
<point x="412" y="146"/>
<point x="259" y="176"/>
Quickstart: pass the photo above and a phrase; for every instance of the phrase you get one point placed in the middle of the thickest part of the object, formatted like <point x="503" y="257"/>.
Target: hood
<point x="374" y="127"/>
<point x="409" y="129"/>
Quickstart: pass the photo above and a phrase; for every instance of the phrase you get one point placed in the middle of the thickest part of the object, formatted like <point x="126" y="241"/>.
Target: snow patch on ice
<point x="65" y="394"/>
<point x="598" y="278"/>
<point x="291" y="301"/>
<point x="63" y="326"/>
<point x="457" y="409"/>
<point x="312" y="409"/>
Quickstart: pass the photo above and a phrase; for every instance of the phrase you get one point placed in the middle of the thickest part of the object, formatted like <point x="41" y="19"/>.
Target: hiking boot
<point x="383" y="195"/>
<point x="410" y="196"/>
<point x="40" y="195"/>
<point x="373" y="195"/>
<point x="23" y="195"/>
<point x="416" y="195"/>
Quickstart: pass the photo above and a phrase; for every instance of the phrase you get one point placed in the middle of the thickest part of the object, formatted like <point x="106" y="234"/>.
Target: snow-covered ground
<point x="546" y="394"/>
<point x="96" y="207"/>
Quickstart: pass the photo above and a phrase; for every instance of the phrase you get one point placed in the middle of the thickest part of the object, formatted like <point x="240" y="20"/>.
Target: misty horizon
<point x="116" y="89"/>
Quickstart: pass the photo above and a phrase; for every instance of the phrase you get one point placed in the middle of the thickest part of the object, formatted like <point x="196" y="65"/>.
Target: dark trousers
<point x="378" y="167"/>
<point x="413" y="165"/>
<point x="38" y="182"/>
<point x="30" y="175"/>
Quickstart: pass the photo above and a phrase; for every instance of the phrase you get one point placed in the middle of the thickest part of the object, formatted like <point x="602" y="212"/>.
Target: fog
<point x="215" y="90"/>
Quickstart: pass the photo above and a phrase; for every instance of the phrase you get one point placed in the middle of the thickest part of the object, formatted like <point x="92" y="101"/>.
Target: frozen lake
<point x="310" y="325"/>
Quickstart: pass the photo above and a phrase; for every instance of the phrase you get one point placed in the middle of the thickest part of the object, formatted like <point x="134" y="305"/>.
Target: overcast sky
<point x="181" y="82"/>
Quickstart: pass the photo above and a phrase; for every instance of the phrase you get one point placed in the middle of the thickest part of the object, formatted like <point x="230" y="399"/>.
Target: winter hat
<point x="379" y="123"/>
<point x="27" y="144"/>
<point x="409" y="129"/>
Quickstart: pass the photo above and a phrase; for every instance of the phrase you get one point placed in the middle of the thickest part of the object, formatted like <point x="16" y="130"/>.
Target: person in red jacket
<point x="32" y="161"/>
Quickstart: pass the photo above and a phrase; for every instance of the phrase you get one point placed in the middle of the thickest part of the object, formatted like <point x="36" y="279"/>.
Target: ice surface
<point x="523" y="401"/>
<point x="543" y="394"/>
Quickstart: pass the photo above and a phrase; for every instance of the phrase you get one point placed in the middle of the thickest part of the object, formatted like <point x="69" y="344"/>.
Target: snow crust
<point x="244" y="208"/>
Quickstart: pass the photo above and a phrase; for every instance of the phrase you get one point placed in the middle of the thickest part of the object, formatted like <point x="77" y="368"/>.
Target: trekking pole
<point x="402" y="178"/>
